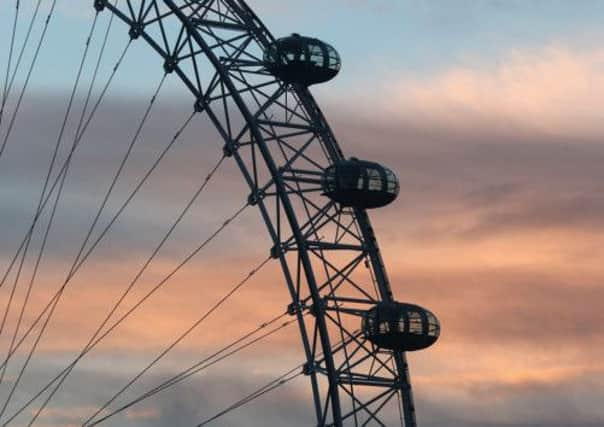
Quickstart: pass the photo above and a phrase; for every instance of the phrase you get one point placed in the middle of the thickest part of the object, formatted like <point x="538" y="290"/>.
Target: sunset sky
<point x="490" y="111"/>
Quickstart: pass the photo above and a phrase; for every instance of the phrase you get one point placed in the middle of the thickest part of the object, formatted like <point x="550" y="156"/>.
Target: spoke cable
<point x="208" y="362"/>
<point x="225" y="352"/>
<point x="116" y="177"/>
<point x="88" y="97"/>
<point x="181" y="337"/>
<point x="10" y="59"/>
<point x="188" y="258"/>
<point x="29" y="73"/>
<point x="40" y="201"/>
<point x="93" y="225"/>
<point x="267" y="388"/>
<point x="66" y="163"/>
<point x="58" y="181"/>
<point x="96" y="72"/>
<point x="106" y="198"/>
<point x="10" y="82"/>
<point x="65" y="373"/>
<point x="274" y="384"/>
<point x="104" y="232"/>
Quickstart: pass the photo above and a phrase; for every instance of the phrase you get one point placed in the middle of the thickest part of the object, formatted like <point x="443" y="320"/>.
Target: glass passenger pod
<point x="401" y="327"/>
<point x="304" y="60"/>
<point x="360" y="184"/>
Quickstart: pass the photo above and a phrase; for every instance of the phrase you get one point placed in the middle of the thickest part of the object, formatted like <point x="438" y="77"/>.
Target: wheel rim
<point x="279" y="138"/>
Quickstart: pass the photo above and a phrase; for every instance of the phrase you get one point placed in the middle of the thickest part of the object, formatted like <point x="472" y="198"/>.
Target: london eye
<point x="310" y="198"/>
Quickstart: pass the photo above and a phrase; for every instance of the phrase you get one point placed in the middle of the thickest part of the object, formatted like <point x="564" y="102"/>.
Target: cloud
<point x="554" y="402"/>
<point x="559" y="400"/>
<point x="517" y="307"/>
<point x="498" y="229"/>
<point x="477" y="147"/>
<point x="553" y="91"/>
<point x="575" y="212"/>
<point x="192" y="401"/>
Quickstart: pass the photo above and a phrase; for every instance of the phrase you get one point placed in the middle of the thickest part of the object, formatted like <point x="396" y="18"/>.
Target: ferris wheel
<point x="253" y="89"/>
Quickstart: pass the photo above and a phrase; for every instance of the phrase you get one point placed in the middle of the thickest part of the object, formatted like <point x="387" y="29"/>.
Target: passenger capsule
<point x="304" y="60"/>
<point x="401" y="327"/>
<point x="360" y="184"/>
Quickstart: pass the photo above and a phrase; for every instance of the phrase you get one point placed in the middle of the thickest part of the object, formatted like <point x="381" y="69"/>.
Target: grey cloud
<point x="568" y="402"/>
<point x="183" y="405"/>
<point x="492" y="194"/>
<point x="157" y="205"/>
<point x="558" y="403"/>
<point x="512" y="179"/>
<point x="463" y="159"/>
<point x="515" y="180"/>
<point x="531" y="183"/>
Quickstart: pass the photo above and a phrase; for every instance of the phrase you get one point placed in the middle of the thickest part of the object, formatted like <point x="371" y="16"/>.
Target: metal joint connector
<point x="230" y="148"/>
<point x="99" y="5"/>
<point x="295" y="308"/>
<point x="255" y="197"/>
<point x="136" y="30"/>
<point x="170" y="65"/>
<point x="309" y="368"/>
<point x="277" y="251"/>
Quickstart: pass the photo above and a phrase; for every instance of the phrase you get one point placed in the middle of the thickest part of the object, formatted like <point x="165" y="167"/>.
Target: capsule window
<point x="392" y="182"/>
<point x="334" y="62"/>
<point x="433" y="326"/>
<point x="400" y="325"/>
<point x="415" y="323"/>
<point x="360" y="183"/>
<point x="316" y="55"/>
<point x="384" y="328"/>
<point x="333" y="58"/>
<point x="374" y="180"/>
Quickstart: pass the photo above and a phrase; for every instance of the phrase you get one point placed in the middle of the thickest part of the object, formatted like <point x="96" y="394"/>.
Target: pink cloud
<point x="554" y="90"/>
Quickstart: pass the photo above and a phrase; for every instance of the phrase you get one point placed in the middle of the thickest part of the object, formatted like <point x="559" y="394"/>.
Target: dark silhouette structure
<point x="255" y="91"/>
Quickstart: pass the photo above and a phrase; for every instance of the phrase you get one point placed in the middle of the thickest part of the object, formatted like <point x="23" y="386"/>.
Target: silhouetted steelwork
<point x="274" y="130"/>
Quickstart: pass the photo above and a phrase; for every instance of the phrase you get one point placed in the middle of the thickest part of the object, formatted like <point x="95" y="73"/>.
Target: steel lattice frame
<point x="281" y="142"/>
